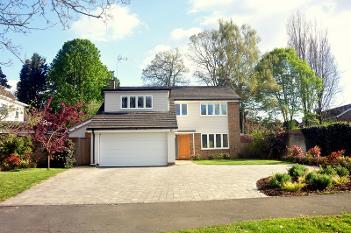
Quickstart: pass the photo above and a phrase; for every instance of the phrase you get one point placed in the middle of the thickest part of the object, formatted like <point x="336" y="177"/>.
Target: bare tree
<point x="23" y="16"/>
<point x="311" y="44"/>
<point x="166" y="69"/>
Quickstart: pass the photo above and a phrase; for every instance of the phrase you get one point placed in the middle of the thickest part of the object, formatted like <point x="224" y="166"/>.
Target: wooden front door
<point x="184" y="146"/>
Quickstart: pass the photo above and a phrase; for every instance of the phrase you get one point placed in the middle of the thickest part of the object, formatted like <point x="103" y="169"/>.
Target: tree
<point x="227" y="57"/>
<point x="32" y="88"/>
<point x="287" y="83"/>
<point x="77" y="74"/>
<point x="51" y="127"/>
<point x="312" y="45"/>
<point x="166" y="69"/>
<point x="3" y="80"/>
<point x="24" y="16"/>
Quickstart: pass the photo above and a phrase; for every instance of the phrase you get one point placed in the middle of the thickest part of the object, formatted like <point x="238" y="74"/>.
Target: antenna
<point x="120" y="59"/>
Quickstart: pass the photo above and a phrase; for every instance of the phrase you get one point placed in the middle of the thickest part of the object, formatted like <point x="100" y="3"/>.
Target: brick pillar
<point x="234" y="128"/>
<point x="197" y="137"/>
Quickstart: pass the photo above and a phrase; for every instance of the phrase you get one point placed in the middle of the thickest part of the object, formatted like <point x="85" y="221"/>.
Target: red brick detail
<point x="234" y="128"/>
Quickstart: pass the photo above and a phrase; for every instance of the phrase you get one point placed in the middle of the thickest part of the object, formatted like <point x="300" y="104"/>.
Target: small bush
<point x="295" y="151"/>
<point x="328" y="170"/>
<point x="196" y="157"/>
<point x="341" y="180"/>
<point x="279" y="179"/>
<point x="314" y="152"/>
<point x="293" y="186"/>
<point x="342" y="171"/>
<point x="297" y="171"/>
<point x="333" y="157"/>
<point x="319" y="181"/>
<point x="219" y="156"/>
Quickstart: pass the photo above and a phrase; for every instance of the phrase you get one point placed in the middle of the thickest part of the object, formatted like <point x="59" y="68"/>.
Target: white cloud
<point x="200" y="5"/>
<point x="117" y="23"/>
<point x="151" y="54"/>
<point x="184" y="34"/>
<point x="13" y="84"/>
<point x="270" y="17"/>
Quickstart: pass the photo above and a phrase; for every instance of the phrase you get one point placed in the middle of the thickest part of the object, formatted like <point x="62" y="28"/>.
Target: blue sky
<point x="141" y="29"/>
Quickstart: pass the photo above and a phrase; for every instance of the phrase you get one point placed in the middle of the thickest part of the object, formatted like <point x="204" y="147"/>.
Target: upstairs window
<point x="181" y="109"/>
<point x="215" y="109"/>
<point x="136" y="102"/>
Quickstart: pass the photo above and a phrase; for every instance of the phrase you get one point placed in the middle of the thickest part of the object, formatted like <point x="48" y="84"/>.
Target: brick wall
<point x="205" y="153"/>
<point x="234" y="128"/>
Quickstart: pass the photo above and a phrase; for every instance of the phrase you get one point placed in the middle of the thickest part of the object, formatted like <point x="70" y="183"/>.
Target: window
<point x="211" y="140"/>
<point x="224" y="109"/>
<point x="203" y="109"/>
<point x="133" y="102"/>
<point x="204" y="140"/>
<point x="140" y="101"/>
<point x="216" y="109"/>
<point x="225" y="140"/>
<point x="181" y="109"/>
<point x="124" y="102"/>
<point x="214" y="141"/>
<point x="148" y="100"/>
<point x="17" y="113"/>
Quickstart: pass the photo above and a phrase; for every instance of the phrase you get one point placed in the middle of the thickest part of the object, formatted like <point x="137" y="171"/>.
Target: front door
<point x="184" y="146"/>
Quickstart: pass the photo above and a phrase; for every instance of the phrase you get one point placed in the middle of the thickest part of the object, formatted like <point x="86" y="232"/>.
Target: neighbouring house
<point x="11" y="110"/>
<point x="154" y="126"/>
<point x="342" y="113"/>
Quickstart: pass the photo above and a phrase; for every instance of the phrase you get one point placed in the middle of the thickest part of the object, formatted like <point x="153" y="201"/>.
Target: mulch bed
<point x="264" y="187"/>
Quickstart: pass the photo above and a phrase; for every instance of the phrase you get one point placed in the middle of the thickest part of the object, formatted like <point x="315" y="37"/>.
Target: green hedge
<point x="329" y="138"/>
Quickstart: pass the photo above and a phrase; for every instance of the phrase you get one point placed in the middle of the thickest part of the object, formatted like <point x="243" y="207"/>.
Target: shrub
<point x="219" y="156"/>
<point x="319" y="181"/>
<point x="196" y="157"/>
<point x="341" y="180"/>
<point x="342" y="171"/>
<point x="314" y="152"/>
<point x="328" y="170"/>
<point x="295" y="151"/>
<point x="335" y="155"/>
<point x="13" y="144"/>
<point x="279" y="179"/>
<point x="66" y="158"/>
<point x="297" y="171"/>
<point x="293" y="186"/>
<point x="11" y="162"/>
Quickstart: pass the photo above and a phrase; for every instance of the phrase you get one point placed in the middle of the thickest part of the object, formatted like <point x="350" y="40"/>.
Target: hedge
<point x="329" y="138"/>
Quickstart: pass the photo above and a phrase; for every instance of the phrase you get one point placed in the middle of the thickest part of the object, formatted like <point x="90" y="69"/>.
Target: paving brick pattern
<point x="183" y="182"/>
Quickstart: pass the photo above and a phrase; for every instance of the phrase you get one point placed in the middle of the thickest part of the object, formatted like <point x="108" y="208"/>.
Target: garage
<point x="133" y="149"/>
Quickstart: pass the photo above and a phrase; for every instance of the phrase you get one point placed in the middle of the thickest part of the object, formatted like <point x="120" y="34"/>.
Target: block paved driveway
<point x="185" y="182"/>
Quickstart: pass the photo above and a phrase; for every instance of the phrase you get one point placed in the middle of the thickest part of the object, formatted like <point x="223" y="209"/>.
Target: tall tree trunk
<point x="49" y="158"/>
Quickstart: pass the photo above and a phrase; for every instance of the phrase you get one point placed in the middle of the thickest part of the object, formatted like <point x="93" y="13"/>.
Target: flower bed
<point x="299" y="180"/>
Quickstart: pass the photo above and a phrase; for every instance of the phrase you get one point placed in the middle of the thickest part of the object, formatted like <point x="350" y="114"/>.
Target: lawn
<point x="341" y="223"/>
<point x="238" y="162"/>
<point x="14" y="182"/>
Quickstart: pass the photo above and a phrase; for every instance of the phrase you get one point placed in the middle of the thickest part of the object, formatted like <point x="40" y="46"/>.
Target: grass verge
<point x="239" y="162"/>
<point x="326" y="224"/>
<point x="14" y="182"/>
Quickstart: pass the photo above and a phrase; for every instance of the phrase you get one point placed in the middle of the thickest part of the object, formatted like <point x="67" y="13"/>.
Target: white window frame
<point x="215" y="142"/>
<point x="214" y="103"/>
<point x="181" y="110"/>
<point x="136" y="102"/>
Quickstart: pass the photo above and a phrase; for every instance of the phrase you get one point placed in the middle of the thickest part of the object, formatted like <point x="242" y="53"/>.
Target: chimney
<point x="112" y="84"/>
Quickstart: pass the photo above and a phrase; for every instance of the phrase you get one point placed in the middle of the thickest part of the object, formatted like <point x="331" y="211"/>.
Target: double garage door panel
<point x="133" y="149"/>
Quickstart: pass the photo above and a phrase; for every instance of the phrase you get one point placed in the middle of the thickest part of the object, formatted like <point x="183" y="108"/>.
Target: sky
<point x="137" y="31"/>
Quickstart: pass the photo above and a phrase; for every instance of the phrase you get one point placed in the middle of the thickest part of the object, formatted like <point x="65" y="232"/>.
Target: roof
<point x="337" y="112"/>
<point x="134" y="120"/>
<point x="188" y="92"/>
<point x="203" y="93"/>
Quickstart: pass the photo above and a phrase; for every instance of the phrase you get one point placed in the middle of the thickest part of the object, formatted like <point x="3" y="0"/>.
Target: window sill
<point x="222" y="148"/>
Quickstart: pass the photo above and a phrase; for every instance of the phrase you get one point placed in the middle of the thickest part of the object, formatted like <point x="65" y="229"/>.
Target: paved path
<point x="187" y="182"/>
<point x="160" y="217"/>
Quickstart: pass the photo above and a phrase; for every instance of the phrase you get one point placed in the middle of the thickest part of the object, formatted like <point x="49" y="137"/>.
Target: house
<point x="154" y="126"/>
<point x="11" y="110"/>
<point x="342" y="113"/>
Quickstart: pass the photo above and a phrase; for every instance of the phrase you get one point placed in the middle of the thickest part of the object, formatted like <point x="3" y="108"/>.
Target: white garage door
<point x="133" y="149"/>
